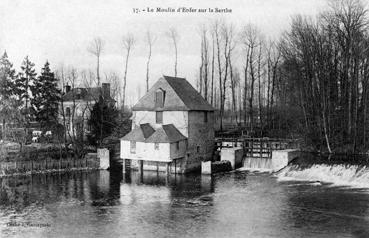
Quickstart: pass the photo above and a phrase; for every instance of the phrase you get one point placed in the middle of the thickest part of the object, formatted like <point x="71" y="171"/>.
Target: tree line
<point x="311" y="82"/>
<point x="26" y="97"/>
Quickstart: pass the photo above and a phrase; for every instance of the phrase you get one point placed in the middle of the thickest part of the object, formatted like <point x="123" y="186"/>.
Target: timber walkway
<point x="257" y="147"/>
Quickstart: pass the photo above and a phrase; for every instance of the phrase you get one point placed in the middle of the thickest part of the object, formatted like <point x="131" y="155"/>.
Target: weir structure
<point x="262" y="154"/>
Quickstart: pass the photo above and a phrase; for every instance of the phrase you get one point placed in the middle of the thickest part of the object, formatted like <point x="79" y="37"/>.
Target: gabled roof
<point x="179" y="96"/>
<point x="85" y="94"/>
<point x="164" y="134"/>
<point x="147" y="130"/>
<point x="140" y="134"/>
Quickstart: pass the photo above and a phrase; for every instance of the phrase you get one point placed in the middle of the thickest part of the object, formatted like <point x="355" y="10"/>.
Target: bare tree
<point x="150" y="39"/>
<point x="212" y="69"/>
<point x="216" y="31"/>
<point x="205" y="58"/>
<point x="96" y="48"/>
<point x="227" y="32"/>
<point x="128" y="43"/>
<point x="173" y="35"/>
<point x="250" y="41"/>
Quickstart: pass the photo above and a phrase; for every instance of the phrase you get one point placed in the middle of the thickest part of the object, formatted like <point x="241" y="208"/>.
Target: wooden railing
<point x="257" y="147"/>
<point x="48" y="164"/>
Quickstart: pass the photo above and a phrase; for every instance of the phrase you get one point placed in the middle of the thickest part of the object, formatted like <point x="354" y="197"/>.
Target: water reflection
<point x="90" y="197"/>
<point x="109" y="204"/>
<point x="100" y="187"/>
<point x="330" y="210"/>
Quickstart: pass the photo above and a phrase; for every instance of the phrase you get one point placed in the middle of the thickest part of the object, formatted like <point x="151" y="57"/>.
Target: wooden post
<point x="123" y="165"/>
<point x="167" y="168"/>
<point x="175" y="166"/>
<point x="157" y="167"/>
<point x="261" y="147"/>
<point x="252" y="148"/>
<point x="140" y="166"/>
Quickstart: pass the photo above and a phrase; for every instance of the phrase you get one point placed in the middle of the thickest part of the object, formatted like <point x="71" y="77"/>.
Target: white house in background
<point x="76" y="107"/>
<point x="172" y="128"/>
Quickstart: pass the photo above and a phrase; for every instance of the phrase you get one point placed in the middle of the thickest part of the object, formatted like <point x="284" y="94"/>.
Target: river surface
<point x="236" y="204"/>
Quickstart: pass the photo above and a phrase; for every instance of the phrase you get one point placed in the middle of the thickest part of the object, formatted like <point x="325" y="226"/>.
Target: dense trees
<point x="7" y="77"/>
<point x="25" y="98"/>
<point x="102" y="121"/>
<point x="326" y="61"/>
<point x="23" y="83"/>
<point x="8" y="105"/>
<point x="46" y="98"/>
<point x="312" y="82"/>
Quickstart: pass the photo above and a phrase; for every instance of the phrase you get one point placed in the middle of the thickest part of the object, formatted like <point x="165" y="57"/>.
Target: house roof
<point x="179" y="96"/>
<point x="164" y="134"/>
<point x="147" y="130"/>
<point x="140" y="134"/>
<point x="85" y="94"/>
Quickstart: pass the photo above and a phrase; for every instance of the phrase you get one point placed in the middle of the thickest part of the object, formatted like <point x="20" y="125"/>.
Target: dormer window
<point x="159" y="98"/>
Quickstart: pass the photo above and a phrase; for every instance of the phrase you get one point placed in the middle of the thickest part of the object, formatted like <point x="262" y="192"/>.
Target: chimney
<point x="67" y="88"/>
<point x="105" y="90"/>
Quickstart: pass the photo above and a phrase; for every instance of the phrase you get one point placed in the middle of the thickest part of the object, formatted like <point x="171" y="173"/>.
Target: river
<point x="235" y="204"/>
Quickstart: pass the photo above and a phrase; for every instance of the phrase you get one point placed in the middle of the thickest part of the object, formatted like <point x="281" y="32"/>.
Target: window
<point x="133" y="147"/>
<point x="156" y="146"/>
<point x="67" y="112"/>
<point x="159" y="98"/>
<point x="198" y="149"/>
<point x="177" y="145"/>
<point x="159" y="117"/>
<point x="205" y="117"/>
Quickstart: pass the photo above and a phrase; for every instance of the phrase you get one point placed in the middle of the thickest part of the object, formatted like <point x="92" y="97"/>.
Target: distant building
<point x="172" y="126"/>
<point x="77" y="106"/>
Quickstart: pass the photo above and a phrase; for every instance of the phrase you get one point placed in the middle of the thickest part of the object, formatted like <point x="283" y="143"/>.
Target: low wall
<point x="209" y="167"/>
<point x="281" y="158"/>
<point x="104" y="158"/>
<point x="206" y="167"/>
<point x="233" y="155"/>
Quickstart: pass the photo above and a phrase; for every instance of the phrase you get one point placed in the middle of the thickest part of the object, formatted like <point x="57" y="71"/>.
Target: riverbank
<point x="45" y="163"/>
<point x="42" y="158"/>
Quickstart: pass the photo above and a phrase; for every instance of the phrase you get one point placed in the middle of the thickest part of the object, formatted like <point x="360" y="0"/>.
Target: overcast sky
<point x="60" y="30"/>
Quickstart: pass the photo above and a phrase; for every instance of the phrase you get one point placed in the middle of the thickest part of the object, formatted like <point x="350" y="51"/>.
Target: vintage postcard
<point x="168" y="118"/>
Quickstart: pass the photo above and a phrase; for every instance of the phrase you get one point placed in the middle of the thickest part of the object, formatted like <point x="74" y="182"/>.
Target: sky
<point x="61" y="30"/>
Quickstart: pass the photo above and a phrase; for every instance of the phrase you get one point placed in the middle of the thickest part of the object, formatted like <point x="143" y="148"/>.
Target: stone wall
<point x="201" y="135"/>
<point x="281" y="158"/>
<point x="233" y="155"/>
<point x="180" y="152"/>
